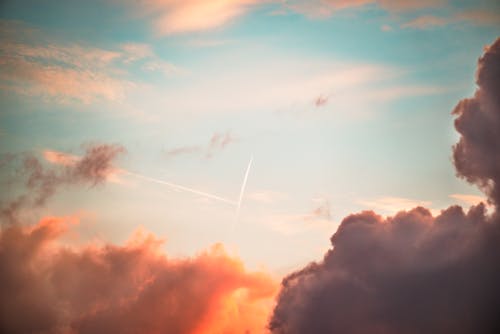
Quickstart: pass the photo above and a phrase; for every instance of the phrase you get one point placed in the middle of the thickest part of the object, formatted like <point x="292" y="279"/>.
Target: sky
<point x="236" y="134"/>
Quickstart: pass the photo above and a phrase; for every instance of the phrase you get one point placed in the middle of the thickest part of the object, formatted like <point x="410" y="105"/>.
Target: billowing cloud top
<point x="476" y="155"/>
<point x="49" y="288"/>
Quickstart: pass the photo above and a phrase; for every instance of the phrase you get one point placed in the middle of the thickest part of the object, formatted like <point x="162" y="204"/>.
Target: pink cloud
<point x="424" y="22"/>
<point x="34" y="65"/>
<point x="174" y="17"/>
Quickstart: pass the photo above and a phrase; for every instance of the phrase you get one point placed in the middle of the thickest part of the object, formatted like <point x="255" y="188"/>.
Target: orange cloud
<point x="173" y="16"/>
<point x="469" y="199"/>
<point x="60" y="158"/>
<point x="135" y="288"/>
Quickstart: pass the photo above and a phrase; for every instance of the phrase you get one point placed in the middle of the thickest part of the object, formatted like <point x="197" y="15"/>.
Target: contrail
<point x="191" y="190"/>
<point x="242" y="191"/>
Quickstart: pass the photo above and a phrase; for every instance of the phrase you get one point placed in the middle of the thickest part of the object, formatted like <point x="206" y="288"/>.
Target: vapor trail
<point x="242" y="190"/>
<point x="179" y="187"/>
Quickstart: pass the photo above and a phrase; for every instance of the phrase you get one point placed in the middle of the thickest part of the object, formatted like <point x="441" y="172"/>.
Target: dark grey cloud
<point x="477" y="154"/>
<point x="414" y="273"/>
<point x="41" y="179"/>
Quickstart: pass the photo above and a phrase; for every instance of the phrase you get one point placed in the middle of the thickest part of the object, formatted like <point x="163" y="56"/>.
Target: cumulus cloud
<point x="51" y="288"/>
<point x="478" y="122"/>
<point x="414" y="272"/>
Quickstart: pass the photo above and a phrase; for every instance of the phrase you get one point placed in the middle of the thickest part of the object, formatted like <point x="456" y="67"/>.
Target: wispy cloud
<point x="266" y="196"/>
<point x="175" y="17"/>
<point x="427" y="21"/>
<point x="218" y="142"/>
<point x="318" y="218"/>
<point x="476" y="17"/>
<point x="35" y="65"/>
<point x="469" y="199"/>
<point x="392" y="205"/>
<point x="322" y="9"/>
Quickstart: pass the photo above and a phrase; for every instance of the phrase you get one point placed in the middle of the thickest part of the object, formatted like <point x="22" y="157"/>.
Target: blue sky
<point x="345" y="106"/>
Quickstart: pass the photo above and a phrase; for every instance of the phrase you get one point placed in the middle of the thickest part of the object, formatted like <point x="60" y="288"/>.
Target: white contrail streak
<point x="242" y="190"/>
<point x="179" y="187"/>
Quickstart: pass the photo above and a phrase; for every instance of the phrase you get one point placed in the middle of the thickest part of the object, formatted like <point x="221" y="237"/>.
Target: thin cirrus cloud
<point x="327" y="8"/>
<point x="319" y="218"/>
<point x="35" y="65"/>
<point x="476" y="17"/>
<point x="217" y="143"/>
<point x="293" y="85"/>
<point x="469" y="199"/>
<point x="447" y="265"/>
<point x="389" y="204"/>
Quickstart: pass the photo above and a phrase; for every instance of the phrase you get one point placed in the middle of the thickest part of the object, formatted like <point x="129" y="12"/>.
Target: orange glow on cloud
<point x="132" y="288"/>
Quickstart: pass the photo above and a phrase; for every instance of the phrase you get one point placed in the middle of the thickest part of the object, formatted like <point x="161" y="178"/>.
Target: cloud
<point x="478" y="119"/>
<point x="479" y="17"/>
<point x="175" y="17"/>
<point x="266" y="196"/>
<point x="425" y="22"/>
<point x="34" y="64"/>
<point x="408" y="274"/>
<point x="413" y="272"/>
<point x="42" y="181"/>
<point x="392" y="204"/>
<point x="217" y="143"/>
<point x="475" y="17"/>
<point x="321" y="101"/>
<point x="469" y="199"/>
<point x="318" y="218"/>
<point x="52" y="288"/>
<point x="320" y="8"/>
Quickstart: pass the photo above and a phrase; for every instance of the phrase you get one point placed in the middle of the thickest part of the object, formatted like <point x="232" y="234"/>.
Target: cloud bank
<point x="50" y="288"/>
<point x="414" y="273"/>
